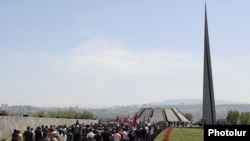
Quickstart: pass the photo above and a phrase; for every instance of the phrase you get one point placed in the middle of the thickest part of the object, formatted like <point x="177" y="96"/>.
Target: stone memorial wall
<point x="9" y="123"/>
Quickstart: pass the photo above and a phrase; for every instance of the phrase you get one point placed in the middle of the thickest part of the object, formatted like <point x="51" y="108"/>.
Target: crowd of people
<point x="92" y="132"/>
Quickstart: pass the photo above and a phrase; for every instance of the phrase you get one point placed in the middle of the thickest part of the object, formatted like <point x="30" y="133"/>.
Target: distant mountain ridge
<point x="192" y="102"/>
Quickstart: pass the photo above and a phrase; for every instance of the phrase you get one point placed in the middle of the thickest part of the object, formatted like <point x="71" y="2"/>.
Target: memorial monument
<point x="208" y="113"/>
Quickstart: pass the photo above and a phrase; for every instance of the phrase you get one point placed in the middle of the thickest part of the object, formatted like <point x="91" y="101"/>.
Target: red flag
<point x="135" y="120"/>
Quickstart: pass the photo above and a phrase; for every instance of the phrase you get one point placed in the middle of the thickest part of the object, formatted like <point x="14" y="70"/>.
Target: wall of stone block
<point x="9" y="123"/>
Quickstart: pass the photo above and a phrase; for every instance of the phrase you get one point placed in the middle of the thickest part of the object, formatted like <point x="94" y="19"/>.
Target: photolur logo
<point x="214" y="132"/>
<point x="226" y="132"/>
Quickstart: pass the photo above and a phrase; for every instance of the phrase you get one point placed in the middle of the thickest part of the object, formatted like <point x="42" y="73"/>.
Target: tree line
<point x="70" y="114"/>
<point x="235" y="117"/>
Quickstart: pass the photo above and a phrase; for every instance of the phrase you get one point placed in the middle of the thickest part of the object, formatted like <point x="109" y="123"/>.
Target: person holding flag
<point x="135" y="121"/>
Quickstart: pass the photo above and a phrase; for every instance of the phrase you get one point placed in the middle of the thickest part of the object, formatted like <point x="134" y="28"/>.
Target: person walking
<point x="28" y="135"/>
<point x="116" y="136"/>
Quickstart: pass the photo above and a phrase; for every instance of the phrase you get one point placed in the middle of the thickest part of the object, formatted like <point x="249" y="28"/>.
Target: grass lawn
<point x="183" y="134"/>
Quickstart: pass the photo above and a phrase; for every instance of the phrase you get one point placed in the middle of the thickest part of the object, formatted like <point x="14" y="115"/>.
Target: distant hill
<point x="192" y="102"/>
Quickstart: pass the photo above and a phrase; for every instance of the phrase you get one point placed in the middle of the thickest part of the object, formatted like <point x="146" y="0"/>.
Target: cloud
<point x="105" y="56"/>
<point x="100" y="66"/>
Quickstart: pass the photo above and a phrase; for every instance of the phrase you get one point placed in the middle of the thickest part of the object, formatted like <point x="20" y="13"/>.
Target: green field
<point x="183" y="134"/>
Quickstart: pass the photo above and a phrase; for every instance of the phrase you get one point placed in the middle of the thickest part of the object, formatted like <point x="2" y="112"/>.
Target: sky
<point x="103" y="53"/>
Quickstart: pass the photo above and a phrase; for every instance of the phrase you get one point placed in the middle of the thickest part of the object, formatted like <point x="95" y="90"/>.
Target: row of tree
<point x="71" y="114"/>
<point x="235" y="117"/>
<point x="3" y="112"/>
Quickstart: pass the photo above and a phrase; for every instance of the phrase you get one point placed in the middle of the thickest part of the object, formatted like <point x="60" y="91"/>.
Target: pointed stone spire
<point x="208" y="113"/>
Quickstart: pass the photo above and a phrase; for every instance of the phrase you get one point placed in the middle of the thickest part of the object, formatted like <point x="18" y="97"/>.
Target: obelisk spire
<point x="208" y="113"/>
